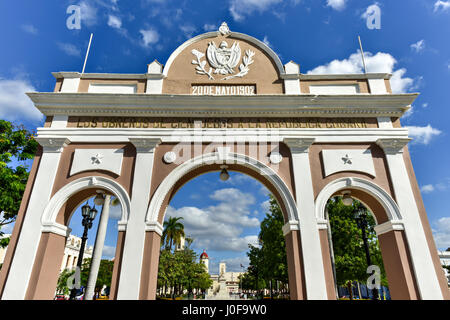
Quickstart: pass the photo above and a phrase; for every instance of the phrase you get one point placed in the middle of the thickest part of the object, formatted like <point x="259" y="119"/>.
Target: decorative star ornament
<point x="347" y="159"/>
<point x="97" y="159"/>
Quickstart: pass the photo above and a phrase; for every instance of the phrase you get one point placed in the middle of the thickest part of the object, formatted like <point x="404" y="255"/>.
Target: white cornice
<point x="359" y="105"/>
<point x="138" y="76"/>
<point x="112" y="76"/>
<point x="350" y="76"/>
<point x="341" y="135"/>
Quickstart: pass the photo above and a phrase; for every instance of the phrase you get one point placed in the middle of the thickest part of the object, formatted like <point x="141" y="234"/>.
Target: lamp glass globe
<point x="224" y="176"/>
<point x="347" y="200"/>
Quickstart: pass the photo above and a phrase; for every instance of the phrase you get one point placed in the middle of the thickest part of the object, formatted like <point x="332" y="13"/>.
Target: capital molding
<point x="145" y="145"/>
<point x="299" y="145"/>
<point x="290" y="226"/>
<point x="393" y="145"/>
<point x="322" y="224"/>
<point x="56" y="228"/>
<point x="388" y="226"/>
<point x="154" y="227"/>
<point x="53" y="145"/>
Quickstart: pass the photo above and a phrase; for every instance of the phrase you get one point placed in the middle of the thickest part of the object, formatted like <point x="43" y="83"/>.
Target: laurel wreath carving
<point x="243" y="67"/>
<point x="201" y="64"/>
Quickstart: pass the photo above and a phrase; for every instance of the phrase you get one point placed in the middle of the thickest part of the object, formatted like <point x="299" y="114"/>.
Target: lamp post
<point x="88" y="214"/>
<point x="361" y="221"/>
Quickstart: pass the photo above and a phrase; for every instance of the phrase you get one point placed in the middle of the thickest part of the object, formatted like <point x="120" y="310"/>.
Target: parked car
<point x="80" y="297"/>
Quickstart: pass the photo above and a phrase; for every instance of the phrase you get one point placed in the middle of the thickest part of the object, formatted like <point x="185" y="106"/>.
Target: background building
<point x="229" y="280"/>
<point x="72" y="251"/>
<point x="444" y="256"/>
<point x="3" y="250"/>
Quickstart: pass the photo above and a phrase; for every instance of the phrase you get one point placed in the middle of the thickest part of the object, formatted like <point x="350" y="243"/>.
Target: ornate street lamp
<point x="361" y="221"/>
<point x="224" y="175"/>
<point x="88" y="214"/>
<point x="360" y="214"/>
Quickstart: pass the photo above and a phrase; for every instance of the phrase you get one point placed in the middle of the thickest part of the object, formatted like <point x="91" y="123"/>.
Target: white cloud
<point x="444" y="5"/>
<point x="30" y="29"/>
<point x="220" y="227"/>
<point x="266" y="41"/>
<point x="108" y="252"/>
<point x="428" y="188"/>
<point x="88" y="13"/>
<point x="399" y="83"/>
<point x="379" y="63"/>
<point x="15" y="104"/>
<point x="370" y="10"/>
<point x="265" y="205"/>
<point x="418" y="46"/>
<point x="423" y="135"/>
<point x="115" y="212"/>
<point x="209" y="27"/>
<point x="425" y="105"/>
<point x="240" y="8"/>
<point x="188" y="30"/>
<point x="234" y="196"/>
<point x="441" y="233"/>
<point x="336" y="4"/>
<point x="241" y="179"/>
<point x="7" y="228"/>
<point x="69" y="49"/>
<point x="149" y="36"/>
<point x="408" y="113"/>
<point x="114" y="22"/>
<point x="232" y="264"/>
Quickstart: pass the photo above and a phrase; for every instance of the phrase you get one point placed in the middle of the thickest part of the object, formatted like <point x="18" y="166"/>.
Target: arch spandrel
<point x="264" y="72"/>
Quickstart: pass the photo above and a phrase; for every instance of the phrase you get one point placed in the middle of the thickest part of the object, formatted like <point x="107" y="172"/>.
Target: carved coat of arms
<point x="223" y="60"/>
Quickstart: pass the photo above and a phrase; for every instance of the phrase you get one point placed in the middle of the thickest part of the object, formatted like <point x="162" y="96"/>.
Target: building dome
<point x="204" y="255"/>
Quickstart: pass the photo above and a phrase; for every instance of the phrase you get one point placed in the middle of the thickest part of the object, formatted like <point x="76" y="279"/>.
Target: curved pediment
<point x="220" y="59"/>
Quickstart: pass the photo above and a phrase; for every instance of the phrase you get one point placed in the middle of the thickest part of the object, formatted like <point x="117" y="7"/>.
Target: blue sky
<point x="321" y="35"/>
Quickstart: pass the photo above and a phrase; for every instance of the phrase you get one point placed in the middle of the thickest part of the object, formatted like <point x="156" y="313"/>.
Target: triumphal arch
<point x="222" y="100"/>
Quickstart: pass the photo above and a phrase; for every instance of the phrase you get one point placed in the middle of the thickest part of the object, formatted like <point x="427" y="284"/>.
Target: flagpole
<point x="87" y="53"/>
<point x="362" y="54"/>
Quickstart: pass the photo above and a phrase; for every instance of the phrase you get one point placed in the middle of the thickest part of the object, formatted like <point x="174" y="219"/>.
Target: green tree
<point x="61" y="286"/>
<point x="348" y="246"/>
<point x="173" y="232"/>
<point x="180" y="270"/>
<point x="104" y="277"/>
<point x="16" y="145"/>
<point x="268" y="262"/>
<point x="273" y="244"/>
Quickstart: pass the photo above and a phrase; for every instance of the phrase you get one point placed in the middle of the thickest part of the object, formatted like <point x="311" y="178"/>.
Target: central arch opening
<point x="218" y="238"/>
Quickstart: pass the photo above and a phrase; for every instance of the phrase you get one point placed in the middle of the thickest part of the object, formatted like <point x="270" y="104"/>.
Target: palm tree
<point x="173" y="231"/>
